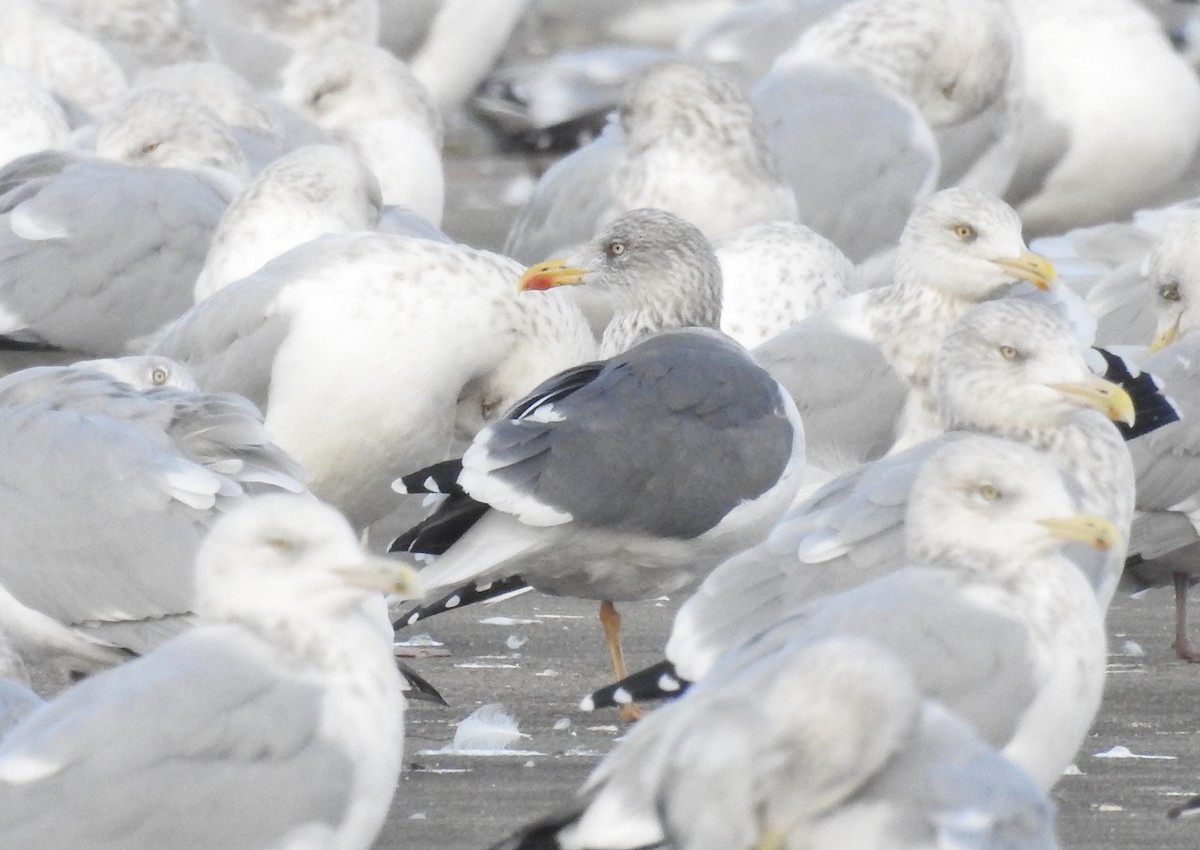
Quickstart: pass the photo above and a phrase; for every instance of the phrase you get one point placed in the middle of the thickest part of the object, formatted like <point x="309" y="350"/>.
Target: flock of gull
<point x="796" y="364"/>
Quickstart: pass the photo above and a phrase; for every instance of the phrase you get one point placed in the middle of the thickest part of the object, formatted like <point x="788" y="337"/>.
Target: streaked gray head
<point x="982" y="500"/>
<point x="169" y="129"/>
<point x="218" y="87"/>
<point x="345" y="84"/>
<point x="951" y="57"/>
<point x="690" y="100"/>
<point x="1001" y="366"/>
<point x="967" y="244"/>
<point x="1173" y="274"/>
<point x="327" y="178"/>
<point x="659" y="272"/>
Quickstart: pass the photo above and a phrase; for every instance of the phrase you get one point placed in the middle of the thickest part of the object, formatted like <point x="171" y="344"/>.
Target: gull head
<point x="1010" y="365"/>
<point x="968" y="245"/>
<point x="289" y="561"/>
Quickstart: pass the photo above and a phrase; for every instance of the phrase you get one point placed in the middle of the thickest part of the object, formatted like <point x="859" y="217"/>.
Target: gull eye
<point x="965" y="232"/>
<point x="282" y="544"/>
<point x="615" y="248"/>
<point x="1169" y="292"/>
<point x="150" y="147"/>
<point x="949" y="88"/>
<point x="159" y="376"/>
<point x="988" y="492"/>
<point x="1008" y="352"/>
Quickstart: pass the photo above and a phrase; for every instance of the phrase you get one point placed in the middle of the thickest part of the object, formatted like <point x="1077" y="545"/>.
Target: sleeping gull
<point x="76" y="68"/>
<point x="314" y="339"/>
<point x="113" y="484"/>
<point x="97" y="254"/>
<point x="31" y="119"/>
<point x="281" y="714"/>
<point x="313" y="190"/>
<point x="1112" y="113"/>
<point x="367" y="99"/>
<point x="850" y="108"/>
<point x="776" y="274"/>
<point x="1008" y="368"/>
<point x="647" y="271"/>
<point x="589" y="486"/>
<point x="861" y="370"/>
<point x="688" y="142"/>
<point x="827" y="746"/>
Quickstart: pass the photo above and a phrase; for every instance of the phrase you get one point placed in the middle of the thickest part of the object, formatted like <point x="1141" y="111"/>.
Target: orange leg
<point x="1183" y="647"/>
<point x="611" y="621"/>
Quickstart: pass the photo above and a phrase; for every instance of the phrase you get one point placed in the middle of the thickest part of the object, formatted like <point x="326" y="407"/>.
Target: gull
<point x="111" y="484"/>
<point x="281" y="713"/>
<point x="851" y="108"/>
<point x="1165" y="531"/>
<point x="827" y="745"/>
<point x="776" y="274"/>
<point x="313" y="190"/>
<point x="688" y="141"/>
<point x="861" y="370"/>
<point x="367" y="99"/>
<point x="314" y="339"/>
<point x="1097" y="143"/>
<point x="623" y="479"/>
<point x="1008" y="368"/>
<point x="97" y="253"/>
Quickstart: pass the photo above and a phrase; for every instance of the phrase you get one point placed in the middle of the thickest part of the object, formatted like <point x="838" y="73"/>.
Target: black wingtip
<point x="1189" y="808"/>
<point x="419" y="687"/>
<point x="468" y="594"/>
<point x="658" y="681"/>
<point x="439" y="479"/>
<point x="1152" y="407"/>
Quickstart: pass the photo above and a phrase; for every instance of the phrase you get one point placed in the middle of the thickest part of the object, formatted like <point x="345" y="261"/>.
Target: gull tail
<point x="657" y="681"/>
<point x="440" y="479"/>
<point x="1152" y="407"/>
<point x="468" y="594"/>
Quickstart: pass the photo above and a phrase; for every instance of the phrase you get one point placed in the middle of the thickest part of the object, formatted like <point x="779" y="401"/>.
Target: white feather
<point x="489" y="727"/>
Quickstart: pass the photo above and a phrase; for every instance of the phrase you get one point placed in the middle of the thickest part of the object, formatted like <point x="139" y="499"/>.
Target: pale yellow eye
<point x="615" y="248"/>
<point x="965" y="232"/>
<point x="989" y="492"/>
<point x="1008" y="352"/>
<point x="159" y="376"/>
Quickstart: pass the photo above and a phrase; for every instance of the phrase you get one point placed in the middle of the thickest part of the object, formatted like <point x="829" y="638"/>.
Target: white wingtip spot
<point x="398" y="487"/>
<point x="622" y="696"/>
<point x="430" y="485"/>
<point x="17" y="769"/>
<point x="412" y="618"/>
<point x="587" y="704"/>
<point x="668" y="683"/>
<point x="453" y="601"/>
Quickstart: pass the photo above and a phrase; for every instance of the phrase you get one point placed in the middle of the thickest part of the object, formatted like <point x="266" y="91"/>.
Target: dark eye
<point x="1169" y="292"/>
<point x="331" y="87"/>
<point x="615" y="248"/>
<point x="988" y="492"/>
<point x="150" y="147"/>
<point x="965" y="232"/>
<point x="949" y="88"/>
<point x="159" y="376"/>
<point x="282" y="544"/>
<point x="1008" y="352"/>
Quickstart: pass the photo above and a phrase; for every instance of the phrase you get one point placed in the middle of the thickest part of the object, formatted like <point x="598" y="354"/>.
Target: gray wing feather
<point x="206" y="713"/>
<point x="127" y="245"/>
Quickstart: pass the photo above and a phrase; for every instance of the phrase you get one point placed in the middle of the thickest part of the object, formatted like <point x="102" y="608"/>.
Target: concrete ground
<point x="538" y="656"/>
